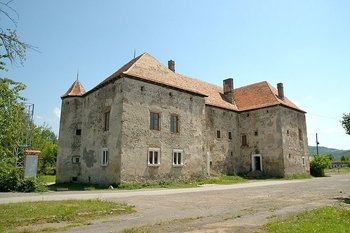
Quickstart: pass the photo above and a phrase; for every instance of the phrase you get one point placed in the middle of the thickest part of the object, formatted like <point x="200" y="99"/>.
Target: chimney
<point x="280" y="91"/>
<point x="228" y="90"/>
<point x="171" y="65"/>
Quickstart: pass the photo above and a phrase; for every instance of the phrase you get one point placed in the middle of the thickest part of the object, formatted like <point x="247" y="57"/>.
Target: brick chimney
<point x="228" y="90"/>
<point x="280" y="91"/>
<point x="171" y="65"/>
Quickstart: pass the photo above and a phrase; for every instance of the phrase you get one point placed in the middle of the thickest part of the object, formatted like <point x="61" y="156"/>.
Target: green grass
<point x="76" y="186"/>
<point x="337" y="170"/>
<point x="327" y="219"/>
<point x="48" y="178"/>
<point x="184" y="184"/>
<point x="71" y="213"/>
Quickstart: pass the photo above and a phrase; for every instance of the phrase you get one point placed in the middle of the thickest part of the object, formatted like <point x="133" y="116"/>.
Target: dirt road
<point x="213" y="208"/>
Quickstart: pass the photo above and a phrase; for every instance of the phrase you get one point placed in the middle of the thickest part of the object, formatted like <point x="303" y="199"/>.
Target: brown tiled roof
<point x="76" y="89"/>
<point x="146" y="67"/>
<point x="260" y="95"/>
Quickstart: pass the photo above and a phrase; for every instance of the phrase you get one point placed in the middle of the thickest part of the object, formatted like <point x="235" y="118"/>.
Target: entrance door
<point x="256" y="162"/>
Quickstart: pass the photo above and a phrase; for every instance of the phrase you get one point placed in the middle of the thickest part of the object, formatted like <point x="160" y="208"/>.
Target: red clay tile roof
<point x="76" y="89"/>
<point x="260" y="95"/>
<point x="146" y="67"/>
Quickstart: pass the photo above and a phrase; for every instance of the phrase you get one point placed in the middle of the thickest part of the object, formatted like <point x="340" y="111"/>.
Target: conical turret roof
<point x="76" y="89"/>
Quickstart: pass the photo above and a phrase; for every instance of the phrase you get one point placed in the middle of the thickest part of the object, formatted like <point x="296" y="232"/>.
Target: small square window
<point x="76" y="159"/>
<point x="229" y="135"/>
<point x="287" y="132"/>
<point x="256" y="133"/>
<point x="78" y="132"/>
<point x="153" y="156"/>
<point x="218" y="134"/>
<point x="178" y="157"/>
<point x="104" y="157"/>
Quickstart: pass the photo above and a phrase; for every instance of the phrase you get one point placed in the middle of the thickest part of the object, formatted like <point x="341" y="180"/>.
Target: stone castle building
<point x="147" y="122"/>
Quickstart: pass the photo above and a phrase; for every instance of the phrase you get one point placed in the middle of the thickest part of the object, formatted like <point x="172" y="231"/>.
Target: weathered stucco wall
<point x="141" y="98"/>
<point x="69" y="144"/>
<point x="262" y="128"/>
<point x="223" y="153"/>
<point x="295" y="146"/>
<point x="89" y="117"/>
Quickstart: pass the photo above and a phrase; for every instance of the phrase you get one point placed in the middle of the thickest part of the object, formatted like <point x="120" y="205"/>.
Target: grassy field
<point x="169" y="184"/>
<point x="46" y="216"/>
<point x="326" y="220"/>
<point x="335" y="171"/>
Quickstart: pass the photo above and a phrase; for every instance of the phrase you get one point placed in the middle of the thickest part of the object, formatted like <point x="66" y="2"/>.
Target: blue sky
<point x="304" y="44"/>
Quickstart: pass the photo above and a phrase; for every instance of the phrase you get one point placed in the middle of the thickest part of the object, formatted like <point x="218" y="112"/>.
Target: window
<point x="244" y="140"/>
<point x="287" y="132"/>
<point x="154" y="121"/>
<point x="177" y="157"/>
<point x="174" y="123"/>
<point x="229" y="135"/>
<point x="256" y="133"/>
<point x="106" y="121"/>
<point x="300" y="134"/>
<point x="153" y="156"/>
<point x="303" y="158"/>
<point x="78" y="132"/>
<point x="76" y="159"/>
<point x="104" y="157"/>
<point x="218" y="134"/>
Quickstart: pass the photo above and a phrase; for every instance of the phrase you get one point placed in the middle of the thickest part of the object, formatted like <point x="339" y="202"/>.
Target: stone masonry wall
<point x="141" y="98"/>
<point x="69" y="144"/>
<point x="262" y="128"/>
<point x="223" y="153"/>
<point x="295" y="150"/>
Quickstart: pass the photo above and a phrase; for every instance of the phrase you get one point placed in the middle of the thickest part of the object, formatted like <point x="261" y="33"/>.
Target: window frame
<point x="153" y="150"/>
<point x="176" y="122"/>
<point x="74" y="159"/>
<point x="152" y="121"/>
<point x="300" y="134"/>
<point x="175" y="156"/>
<point x="104" y="157"/>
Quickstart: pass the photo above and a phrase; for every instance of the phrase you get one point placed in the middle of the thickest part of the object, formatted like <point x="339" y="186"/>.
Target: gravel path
<point x="212" y="208"/>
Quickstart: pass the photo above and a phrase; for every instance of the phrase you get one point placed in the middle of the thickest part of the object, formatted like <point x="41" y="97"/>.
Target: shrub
<point x="318" y="164"/>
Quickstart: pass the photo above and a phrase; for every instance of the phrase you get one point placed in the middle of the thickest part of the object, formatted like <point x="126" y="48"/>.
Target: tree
<point x="346" y="123"/>
<point x="12" y="117"/>
<point x="318" y="164"/>
<point x="11" y="47"/>
<point x="45" y="140"/>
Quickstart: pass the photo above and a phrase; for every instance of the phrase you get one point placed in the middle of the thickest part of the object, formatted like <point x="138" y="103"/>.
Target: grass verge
<point x="334" y="171"/>
<point x="327" y="219"/>
<point x="48" y="178"/>
<point x="45" y="215"/>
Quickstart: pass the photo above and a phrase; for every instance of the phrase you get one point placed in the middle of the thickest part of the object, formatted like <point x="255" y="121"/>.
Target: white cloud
<point x="57" y="112"/>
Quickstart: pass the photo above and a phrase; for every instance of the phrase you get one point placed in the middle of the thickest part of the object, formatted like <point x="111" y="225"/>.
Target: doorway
<point x="256" y="162"/>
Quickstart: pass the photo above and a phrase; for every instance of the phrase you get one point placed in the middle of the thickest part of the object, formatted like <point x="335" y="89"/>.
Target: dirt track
<point x="229" y="208"/>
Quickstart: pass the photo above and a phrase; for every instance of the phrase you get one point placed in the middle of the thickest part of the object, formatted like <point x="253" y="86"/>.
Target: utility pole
<point x="317" y="144"/>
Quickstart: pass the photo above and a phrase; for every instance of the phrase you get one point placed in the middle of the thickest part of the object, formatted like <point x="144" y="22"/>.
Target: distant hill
<point x="325" y="150"/>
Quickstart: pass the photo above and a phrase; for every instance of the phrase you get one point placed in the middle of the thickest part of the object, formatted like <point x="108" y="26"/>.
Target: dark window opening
<point x="257" y="163"/>
<point x="256" y="133"/>
<point x="300" y="134"/>
<point x="287" y="132"/>
<point x="218" y="134"/>
<point x="78" y="132"/>
<point x="142" y="88"/>
<point x="229" y="135"/>
<point x="154" y="121"/>
<point x="244" y="140"/>
<point x="74" y="179"/>
<point x="106" y="121"/>
<point x="170" y="94"/>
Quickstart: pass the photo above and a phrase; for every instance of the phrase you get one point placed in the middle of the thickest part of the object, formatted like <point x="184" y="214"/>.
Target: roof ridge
<point x="253" y="84"/>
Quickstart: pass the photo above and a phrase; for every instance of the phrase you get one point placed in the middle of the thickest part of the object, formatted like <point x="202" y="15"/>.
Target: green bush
<point x="318" y="164"/>
<point x="11" y="181"/>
